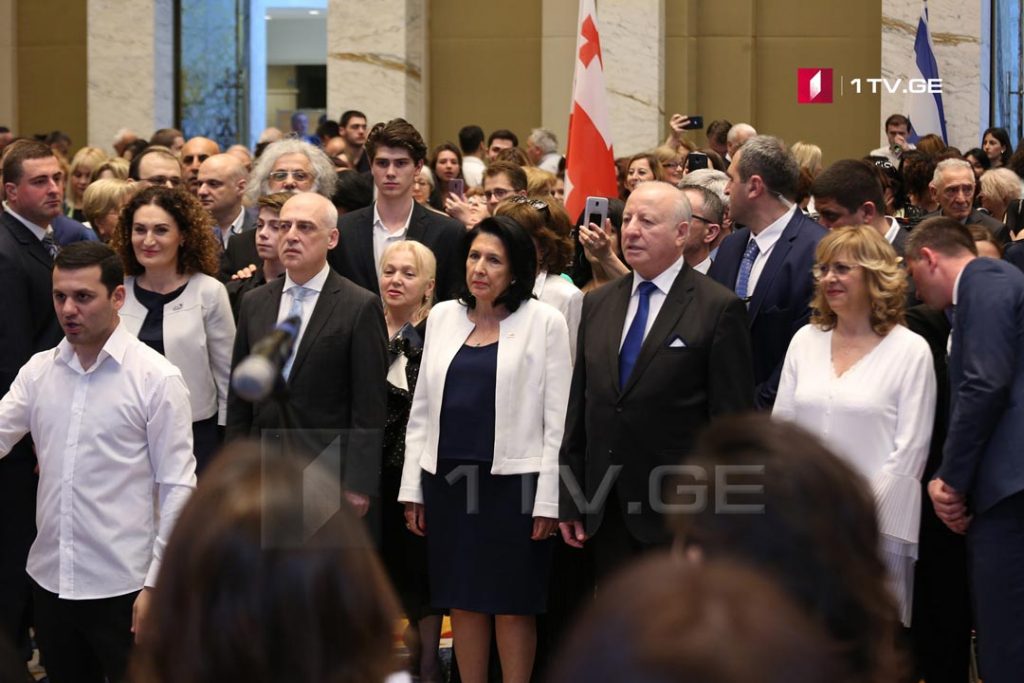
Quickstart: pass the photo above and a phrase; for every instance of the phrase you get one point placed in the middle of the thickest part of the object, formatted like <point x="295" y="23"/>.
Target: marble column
<point x="633" y="45"/>
<point x="558" y="54"/>
<point x="957" y="29"/>
<point x="377" y="59"/>
<point x="130" y="67"/>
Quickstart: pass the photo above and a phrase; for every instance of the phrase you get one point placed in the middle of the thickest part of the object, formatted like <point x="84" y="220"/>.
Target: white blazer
<point x="531" y="397"/>
<point x="199" y="335"/>
<point x="566" y="297"/>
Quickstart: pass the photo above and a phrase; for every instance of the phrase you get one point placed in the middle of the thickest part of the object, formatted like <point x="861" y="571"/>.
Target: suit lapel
<point x="265" y="315"/>
<point x="28" y="241"/>
<point x="730" y="262"/>
<point x="417" y="226"/>
<point x="325" y="304"/>
<point x="780" y="252"/>
<point x="679" y="297"/>
<point x="615" y="319"/>
<point x="363" y="251"/>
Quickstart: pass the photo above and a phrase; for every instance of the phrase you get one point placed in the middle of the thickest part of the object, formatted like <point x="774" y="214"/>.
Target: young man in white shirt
<point x="112" y="429"/>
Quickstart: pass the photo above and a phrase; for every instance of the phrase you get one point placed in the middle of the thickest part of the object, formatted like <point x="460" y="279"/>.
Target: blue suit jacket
<point x="67" y="230"/>
<point x="983" y="455"/>
<point x="780" y="303"/>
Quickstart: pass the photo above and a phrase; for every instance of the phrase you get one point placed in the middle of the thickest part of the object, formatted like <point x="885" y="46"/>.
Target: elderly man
<point x="193" y="154"/>
<point x="734" y="139"/>
<point x="979" y="487"/>
<point x="768" y="262"/>
<point x="542" y="148"/>
<point x="705" y="226"/>
<point x="952" y="187"/>
<point x="661" y="352"/>
<point x="334" y="383"/>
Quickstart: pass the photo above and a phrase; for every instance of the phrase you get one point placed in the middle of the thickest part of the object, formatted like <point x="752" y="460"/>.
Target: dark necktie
<point x="746" y="265"/>
<point x="50" y="245"/>
<point x="635" y="335"/>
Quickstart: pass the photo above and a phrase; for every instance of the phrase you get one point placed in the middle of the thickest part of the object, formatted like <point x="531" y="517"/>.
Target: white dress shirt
<point x="663" y="283"/>
<point x="765" y="243"/>
<point x="893" y="231"/>
<point x="704" y="265"/>
<point x="114" y="444"/>
<point x="316" y="283"/>
<point x="39" y="231"/>
<point x="549" y="162"/>
<point x="234" y="229"/>
<point x="382" y="237"/>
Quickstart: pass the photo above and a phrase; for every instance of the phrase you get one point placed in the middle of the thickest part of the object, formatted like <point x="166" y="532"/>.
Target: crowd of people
<point x="759" y="422"/>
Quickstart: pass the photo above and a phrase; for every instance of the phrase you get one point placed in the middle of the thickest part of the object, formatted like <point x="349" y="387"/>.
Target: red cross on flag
<point x="589" y="161"/>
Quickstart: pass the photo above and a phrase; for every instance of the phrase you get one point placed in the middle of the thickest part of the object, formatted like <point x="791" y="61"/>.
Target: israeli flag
<point x="925" y="109"/>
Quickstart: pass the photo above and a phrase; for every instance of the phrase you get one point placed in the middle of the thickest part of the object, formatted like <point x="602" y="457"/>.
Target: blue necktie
<point x="635" y="335"/>
<point x="50" y="244"/>
<point x="746" y="265"/>
<point x="299" y="294"/>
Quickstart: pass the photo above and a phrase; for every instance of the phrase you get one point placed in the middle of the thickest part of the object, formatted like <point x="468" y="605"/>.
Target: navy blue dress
<point x="480" y="555"/>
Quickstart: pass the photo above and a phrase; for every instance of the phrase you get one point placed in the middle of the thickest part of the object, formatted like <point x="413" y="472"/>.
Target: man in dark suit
<point x="220" y="186"/>
<point x="34" y="187"/>
<point x="335" y="383"/>
<point x="768" y="262"/>
<point x="661" y="352"/>
<point x="952" y="187"/>
<point x="979" y="488"/>
<point x="396" y="153"/>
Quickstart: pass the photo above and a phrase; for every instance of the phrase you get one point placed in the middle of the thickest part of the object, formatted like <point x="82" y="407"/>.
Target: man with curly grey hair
<point x="542" y="148"/>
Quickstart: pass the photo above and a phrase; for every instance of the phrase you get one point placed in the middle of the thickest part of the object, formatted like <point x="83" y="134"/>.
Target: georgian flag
<point x="589" y="161"/>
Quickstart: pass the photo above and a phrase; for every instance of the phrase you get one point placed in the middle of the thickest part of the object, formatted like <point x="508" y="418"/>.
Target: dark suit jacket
<point x="353" y="257"/>
<point x="985" y="220"/>
<point x="67" y="230"/>
<point x="781" y="301"/>
<point x="30" y="324"/>
<point x="672" y="394"/>
<point x="338" y="381"/>
<point x="983" y="456"/>
<point x="241" y="250"/>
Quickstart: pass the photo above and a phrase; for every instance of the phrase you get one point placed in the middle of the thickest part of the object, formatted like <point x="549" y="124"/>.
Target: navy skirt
<point x="479" y="552"/>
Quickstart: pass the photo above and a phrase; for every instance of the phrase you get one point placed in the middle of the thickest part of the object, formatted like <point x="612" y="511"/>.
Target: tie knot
<point x="300" y="293"/>
<point x="646" y="288"/>
<point x="751" y="250"/>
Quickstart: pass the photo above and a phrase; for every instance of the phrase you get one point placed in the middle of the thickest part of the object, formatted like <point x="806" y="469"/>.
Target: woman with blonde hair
<point x="999" y="187"/>
<point x="539" y="183"/>
<point x="113" y="167"/>
<point x="79" y="177"/>
<point x="102" y="204"/>
<point x="673" y="162"/>
<point x="864" y="383"/>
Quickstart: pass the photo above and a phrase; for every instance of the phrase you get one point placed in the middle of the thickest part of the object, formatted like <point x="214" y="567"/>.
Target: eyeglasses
<point x="298" y="176"/>
<point x="820" y="271"/>
<point x="195" y="157"/>
<point x="163" y="180"/>
<point x="701" y="218"/>
<point x="532" y="203"/>
<point x="498" y="193"/>
<point x="672" y="164"/>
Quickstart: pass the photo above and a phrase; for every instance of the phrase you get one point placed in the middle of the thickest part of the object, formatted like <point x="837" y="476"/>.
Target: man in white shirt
<point x="897" y="128"/>
<point x="705" y="226"/>
<point x="471" y="142"/>
<point x="221" y="186"/>
<point x="542" y="148"/>
<point x="112" y="428"/>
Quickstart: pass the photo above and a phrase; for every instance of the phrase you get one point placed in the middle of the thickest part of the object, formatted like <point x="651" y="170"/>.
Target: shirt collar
<point x="316" y="283"/>
<point x="378" y="224"/>
<point x="894" y="229"/>
<point x="770" y="235"/>
<point x="39" y="231"/>
<point x="236" y="225"/>
<point x="664" y="279"/>
<point x="115" y="348"/>
<point x="956" y="286"/>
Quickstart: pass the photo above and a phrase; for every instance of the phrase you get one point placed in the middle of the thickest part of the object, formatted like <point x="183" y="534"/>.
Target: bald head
<point x="738" y="134"/>
<point x="308" y="225"/>
<point x="220" y="185"/>
<point x="242" y="153"/>
<point x="654" y="227"/>
<point x="193" y="154"/>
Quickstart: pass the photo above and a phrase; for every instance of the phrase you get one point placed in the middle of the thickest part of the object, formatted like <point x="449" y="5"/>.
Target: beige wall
<point x="51" y="68"/>
<point x="8" y="73"/>
<point x="737" y="59"/>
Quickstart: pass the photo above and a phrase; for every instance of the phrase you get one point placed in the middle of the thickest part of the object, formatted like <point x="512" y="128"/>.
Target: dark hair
<point x="78" y="255"/>
<point x="1003" y="137"/>
<point x="354" y="191"/>
<point x="522" y="260"/>
<point x="503" y="134"/>
<point x="718" y="130"/>
<point x="328" y="129"/>
<point x="931" y="144"/>
<point x="149" y="150"/>
<point x="897" y="120"/>
<point x="165" y="137"/>
<point x="665" y="619"/>
<point x="349" y="115"/>
<point x="716" y="159"/>
<point x="850" y="182"/>
<point x="200" y="252"/>
<point x="246" y="593"/>
<point x="769" y="158"/>
<point x="56" y="136"/>
<point x="917" y="169"/>
<point x="980" y="233"/>
<point x="978" y="154"/>
<point x="546" y="222"/>
<point x="514" y="172"/>
<point x="816" y="532"/>
<point x="20" y="151"/>
<point x="470" y="138"/>
<point x="136" y="147"/>
<point x="514" y="155"/>
<point x="397" y="133"/>
<point x="945" y="235"/>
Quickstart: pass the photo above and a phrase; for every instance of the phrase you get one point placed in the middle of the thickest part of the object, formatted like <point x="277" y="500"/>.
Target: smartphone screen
<point x="458" y="186"/>
<point x="696" y="161"/>
<point x="695" y="123"/>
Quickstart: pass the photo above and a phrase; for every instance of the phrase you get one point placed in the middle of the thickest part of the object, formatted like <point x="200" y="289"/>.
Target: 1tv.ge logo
<point x="814" y="86"/>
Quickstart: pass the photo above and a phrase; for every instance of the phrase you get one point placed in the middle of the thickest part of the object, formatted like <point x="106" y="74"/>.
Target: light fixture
<point x="314" y="12"/>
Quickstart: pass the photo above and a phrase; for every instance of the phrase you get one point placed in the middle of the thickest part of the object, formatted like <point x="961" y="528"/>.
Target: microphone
<point x="255" y="376"/>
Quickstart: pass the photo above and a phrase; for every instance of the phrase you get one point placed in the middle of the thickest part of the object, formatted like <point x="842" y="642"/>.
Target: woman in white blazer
<point x="548" y="225"/>
<point x="482" y="442"/>
<point x="172" y="303"/>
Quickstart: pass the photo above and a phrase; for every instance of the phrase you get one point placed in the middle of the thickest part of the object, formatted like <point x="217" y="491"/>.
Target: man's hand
<point x="415" y="519"/>
<point x="245" y="273"/>
<point x="140" y="610"/>
<point x="900" y="141"/>
<point x="359" y="502"/>
<point x="950" y="506"/>
<point x="544" y="527"/>
<point x="573" y="533"/>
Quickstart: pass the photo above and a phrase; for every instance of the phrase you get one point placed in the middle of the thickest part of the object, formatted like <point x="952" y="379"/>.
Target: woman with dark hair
<point x="174" y="303"/>
<point x="917" y="169"/>
<point x="483" y="437"/>
<point x="810" y="525"/>
<point x="979" y="162"/>
<point x="599" y="259"/>
<point x="246" y="593"/>
<point x="996" y="144"/>
<point x="864" y="383"/>
<point x="446" y="164"/>
<point x="548" y="225"/>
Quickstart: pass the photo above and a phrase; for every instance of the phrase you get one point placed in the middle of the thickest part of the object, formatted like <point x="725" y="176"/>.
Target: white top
<point x="473" y="171"/>
<point x="556" y="291"/>
<point x="382" y="237"/>
<point x="530" y="401"/>
<point x="549" y="162"/>
<point x="893" y="157"/>
<point x="766" y="241"/>
<point x="199" y="337"/>
<point x="704" y="265"/>
<point x="114" y="444"/>
<point x="663" y="283"/>
<point x="235" y="228"/>
<point x="877" y="416"/>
